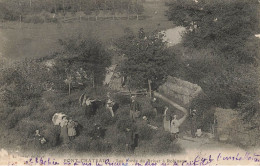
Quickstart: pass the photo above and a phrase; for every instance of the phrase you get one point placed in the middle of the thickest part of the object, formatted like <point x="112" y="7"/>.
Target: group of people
<point x="92" y="105"/>
<point x="67" y="130"/>
<point x="172" y="124"/>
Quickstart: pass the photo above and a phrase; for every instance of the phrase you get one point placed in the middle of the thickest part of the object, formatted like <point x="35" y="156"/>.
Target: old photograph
<point x="129" y="82"/>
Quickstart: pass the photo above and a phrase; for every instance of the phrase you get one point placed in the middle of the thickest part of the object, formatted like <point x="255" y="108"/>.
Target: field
<point x="37" y="40"/>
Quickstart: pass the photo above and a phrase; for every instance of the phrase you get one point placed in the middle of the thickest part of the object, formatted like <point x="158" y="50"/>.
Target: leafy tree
<point x="88" y="54"/>
<point x="147" y="58"/>
<point x="226" y="29"/>
<point x="223" y="26"/>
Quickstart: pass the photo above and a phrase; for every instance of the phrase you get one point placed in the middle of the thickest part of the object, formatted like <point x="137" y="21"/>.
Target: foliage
<point x="147" y="59"/>
<point x="223" y="26"/>
<point x="86" y="54"/>
<point x="11" y="10"/>
<point x="226" y="71"/>
<point x="162" y="142"/>
<point x="145" y="132"/>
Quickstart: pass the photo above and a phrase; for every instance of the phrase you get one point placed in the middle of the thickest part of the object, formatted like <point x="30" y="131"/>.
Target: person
<point x="38" y="139"/>
<point x="109" y="105"/>
<point x="71" y="129"/>
<point x="130" y="141"/>
<point x="193" y="123"/>
<point x="64" y="138"/>
<point x="88" y="108"/>
<point x="155" y="105"/>
<point x="175" y="127"/>
<point x="147" y="122"/>
<point x="166" y="122"/>
<point x="134" y="109"/>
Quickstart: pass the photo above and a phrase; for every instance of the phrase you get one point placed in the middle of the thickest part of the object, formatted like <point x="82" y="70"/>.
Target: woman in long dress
<point x="72" y="129"/>
<point x="166" y="123"/>
<point x="64" y="138"/>
<point x="175" y="127"/>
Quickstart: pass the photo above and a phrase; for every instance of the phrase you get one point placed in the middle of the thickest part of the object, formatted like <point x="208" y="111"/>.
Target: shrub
<point x="81" y="143"/>
<point x="122" y="99"/>
<point x="162" y="143"/>
<point x="4" y="112"/>
<point x="119" y="143"/>
<point x="145" y="132"/>
<point x="11" y="121"/>
<point x="33" y="19"/>
<point x="51" y="134"/>
<point x="150" y="114"/>
<point x="105" y="117"/>
<point x="100" y="146"/>
<point x="125" y="122"/>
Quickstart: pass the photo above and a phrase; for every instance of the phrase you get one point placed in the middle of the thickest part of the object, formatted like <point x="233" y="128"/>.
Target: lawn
<point x="38" y="40"/>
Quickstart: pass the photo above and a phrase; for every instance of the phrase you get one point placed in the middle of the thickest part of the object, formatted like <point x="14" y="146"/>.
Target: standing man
<point x="134" y="109"/>
<point x="193" y="123"/>
<point x="175" y="127"/>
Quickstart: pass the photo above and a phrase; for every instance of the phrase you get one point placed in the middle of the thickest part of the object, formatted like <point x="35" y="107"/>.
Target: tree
<point x="147" y="59"/>
<point x="223" y="26"/>
<point x="226" y="29"/>
<point x="88" y="54"/>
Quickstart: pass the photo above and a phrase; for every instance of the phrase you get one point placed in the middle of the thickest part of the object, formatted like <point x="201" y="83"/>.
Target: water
<point x="173" y="35"/>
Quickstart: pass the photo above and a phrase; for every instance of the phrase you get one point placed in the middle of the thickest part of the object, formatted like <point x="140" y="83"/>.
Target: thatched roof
<point x="179" y="90"/>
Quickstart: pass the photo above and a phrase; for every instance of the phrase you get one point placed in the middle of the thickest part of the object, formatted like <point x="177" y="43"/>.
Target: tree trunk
<point x="69" y="88"/>
<point x="63" y="6"/>
<point x="150" y="88"/>
<point x="93" y="81"/>
<point x="80" y="13"/>
<point x="20" y="21"/>
<point x="55" y="7"/>
<point x="185" y="111"/>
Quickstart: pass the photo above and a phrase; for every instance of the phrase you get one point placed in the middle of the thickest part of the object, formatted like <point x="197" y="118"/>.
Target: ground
<point x="38" y="40"/>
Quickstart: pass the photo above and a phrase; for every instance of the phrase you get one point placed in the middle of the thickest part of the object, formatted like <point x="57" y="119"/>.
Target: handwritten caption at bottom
<point x="204" y="160"/>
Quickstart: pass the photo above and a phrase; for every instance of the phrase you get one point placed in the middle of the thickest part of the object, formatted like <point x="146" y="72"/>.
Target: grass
<point x="37" y="40"/>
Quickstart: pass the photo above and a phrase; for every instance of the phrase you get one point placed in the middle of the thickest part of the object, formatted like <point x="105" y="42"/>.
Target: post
<point x="55" y="7"/>
<point x="63" y="6"/>
<point x="80" y="13"/>
<point x="150" y="88"/>
<point x="20" y="21"/>
<point x="30" y="3"/>
<point x="69" y="88"/>
<point x="93" y="80"/>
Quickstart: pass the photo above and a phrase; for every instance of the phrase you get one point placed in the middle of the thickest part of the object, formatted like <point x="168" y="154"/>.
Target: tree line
<point x="13" y="10"/>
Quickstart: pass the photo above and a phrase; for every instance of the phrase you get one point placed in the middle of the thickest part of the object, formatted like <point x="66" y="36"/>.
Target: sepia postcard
<point x="130" y="82"/>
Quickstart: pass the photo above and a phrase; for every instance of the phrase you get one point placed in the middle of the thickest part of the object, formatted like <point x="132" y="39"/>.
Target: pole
<point x="69" y="88"/>
<point x="150" y="88"/>
<point x="20" y="21"/>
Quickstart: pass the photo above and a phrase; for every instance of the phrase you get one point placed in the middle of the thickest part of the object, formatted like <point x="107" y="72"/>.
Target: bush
<point x="122" y="99"/>
<point x="105" y="117"/>
<point x="11" y="121"/>
<point x="4" y="112"/>
<point x="162" y="143"/>
<point x="51" y="134"/>
<point x="125" y="122"/>
<point x="81" y="143"/>
<point x="34" y="19"/>
<point x="150" y="114"/>
<point x="100" y="146"/>
<point x="145" y="132"/>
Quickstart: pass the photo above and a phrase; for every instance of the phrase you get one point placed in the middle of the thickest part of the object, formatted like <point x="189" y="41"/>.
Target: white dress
<point x="175" y="126"/>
